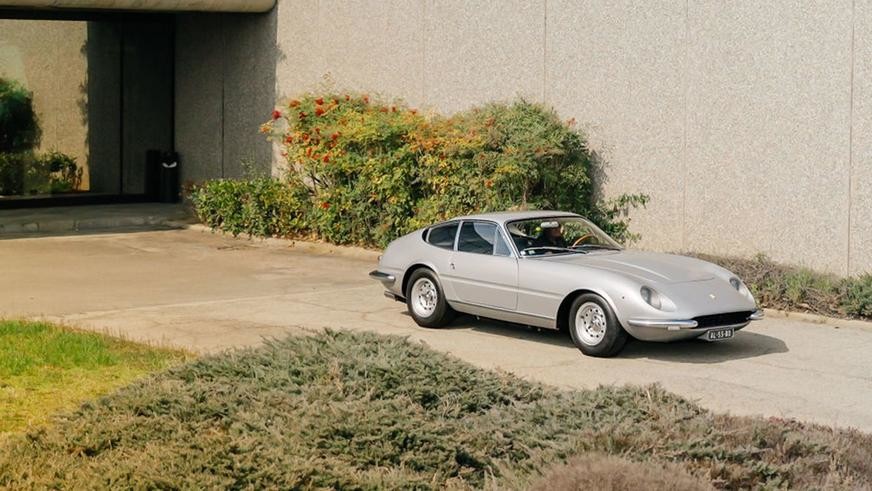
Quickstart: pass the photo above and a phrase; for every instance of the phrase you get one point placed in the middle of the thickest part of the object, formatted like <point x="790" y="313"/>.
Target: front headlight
<point x="651" y="297"/>
<point x="739" y="286"/>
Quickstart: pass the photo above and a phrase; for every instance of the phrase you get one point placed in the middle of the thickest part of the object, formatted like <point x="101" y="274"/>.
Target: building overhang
<point x="144" y="5"/>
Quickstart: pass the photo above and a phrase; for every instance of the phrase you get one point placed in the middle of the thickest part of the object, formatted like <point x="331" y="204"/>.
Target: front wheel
<point x="425" y="300"/>
<point x="594" y="328"/>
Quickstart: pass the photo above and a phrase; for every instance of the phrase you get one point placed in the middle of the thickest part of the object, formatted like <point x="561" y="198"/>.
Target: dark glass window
<point x="477" y="237"/>
<point x="443" y="235"/>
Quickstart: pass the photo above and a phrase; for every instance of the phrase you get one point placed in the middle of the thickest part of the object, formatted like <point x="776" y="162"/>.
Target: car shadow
<point x="745" y="344"/>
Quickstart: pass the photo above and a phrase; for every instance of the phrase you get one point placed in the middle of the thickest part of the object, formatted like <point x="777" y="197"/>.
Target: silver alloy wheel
<point x="424" y="297"/>
<point x="590" y="324"/>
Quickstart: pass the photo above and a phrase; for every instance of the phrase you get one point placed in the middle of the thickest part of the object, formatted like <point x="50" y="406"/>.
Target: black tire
<point x="441" y="313"/>
<point x="595" y="342"/>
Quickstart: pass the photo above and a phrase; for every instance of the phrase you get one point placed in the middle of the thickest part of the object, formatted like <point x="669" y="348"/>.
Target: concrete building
<point x="749" y="124"/>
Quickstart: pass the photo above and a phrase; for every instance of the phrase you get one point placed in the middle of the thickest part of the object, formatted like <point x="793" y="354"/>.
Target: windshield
<point x="558" y="235"/>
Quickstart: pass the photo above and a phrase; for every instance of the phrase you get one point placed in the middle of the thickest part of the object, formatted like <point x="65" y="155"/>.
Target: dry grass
<point x="46" y="368"/>
<point x="358" y="410"/>
<point x="607" y="472"/>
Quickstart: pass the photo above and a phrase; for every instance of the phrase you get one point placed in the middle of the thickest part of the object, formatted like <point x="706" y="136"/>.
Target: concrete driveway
<point x="209" y="292"/>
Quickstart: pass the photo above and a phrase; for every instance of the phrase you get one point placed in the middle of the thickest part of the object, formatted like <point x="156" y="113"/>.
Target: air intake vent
<point x="717" y="320"/>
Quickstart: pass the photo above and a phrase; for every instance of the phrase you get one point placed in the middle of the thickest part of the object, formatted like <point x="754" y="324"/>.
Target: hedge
<point x="364" y="172"/>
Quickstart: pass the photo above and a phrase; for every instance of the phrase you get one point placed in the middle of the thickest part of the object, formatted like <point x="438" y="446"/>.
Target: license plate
<point x="719" y="334"/>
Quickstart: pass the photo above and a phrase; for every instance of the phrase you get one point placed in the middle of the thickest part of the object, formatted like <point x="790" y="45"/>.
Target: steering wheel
<point x="581" y="239"/>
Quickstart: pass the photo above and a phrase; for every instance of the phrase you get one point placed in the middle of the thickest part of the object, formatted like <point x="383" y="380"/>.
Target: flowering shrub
<point x="369" y="172"/>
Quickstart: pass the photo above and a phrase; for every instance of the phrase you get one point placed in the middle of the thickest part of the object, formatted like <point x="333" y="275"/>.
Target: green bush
<point x="26" y="173"/>
<point x="12" y="171"/>
<point x="366" y="172"/>
<point x="857" y="296"/>
<point x="343" y="410"/>
<point x="258" y="206"/>
<point x="19" y="127"/>
<point x="64" y="172"/>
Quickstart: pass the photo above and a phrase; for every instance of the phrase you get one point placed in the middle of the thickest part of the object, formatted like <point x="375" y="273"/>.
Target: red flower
<point x="318" y="130"/>
<point x="383" y="109"/>
<point x="326" y="158"/>
<point x="302" y="115"/>
<point x="319" y="111"/>
<point x="294" y="103"/>
<point x="308" y="151"/>
<point x="489" y="183"/>
<point x="347" y="97"/>
<point x="276" y="114"/>
<point x="325" y="205"/>
<point x="393" y="109"/>
<point x="365" y="99"/>
<point x="319" y="101"/>
<point x="289" y="139"/>
<point x="334" y="136"/>
<point x="305" y="136"/>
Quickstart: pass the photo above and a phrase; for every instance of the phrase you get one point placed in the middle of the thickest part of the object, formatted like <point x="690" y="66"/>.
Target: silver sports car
<point x="557" y="270"/>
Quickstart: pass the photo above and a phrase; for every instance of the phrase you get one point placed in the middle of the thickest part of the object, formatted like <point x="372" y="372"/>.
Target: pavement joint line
<point x="144" y="308"/>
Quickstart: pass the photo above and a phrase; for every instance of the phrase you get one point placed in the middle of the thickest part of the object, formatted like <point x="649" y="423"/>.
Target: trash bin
<point x="168" y="178"/>
<point x="152" y="174"/>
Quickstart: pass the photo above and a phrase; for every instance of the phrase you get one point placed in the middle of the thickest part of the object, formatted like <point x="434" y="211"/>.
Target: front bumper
<point x="678" y="329"/>
<point x="679" y="324"/>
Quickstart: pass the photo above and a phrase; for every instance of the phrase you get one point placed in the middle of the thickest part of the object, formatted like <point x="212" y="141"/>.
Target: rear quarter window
<point x="443" y="235"/>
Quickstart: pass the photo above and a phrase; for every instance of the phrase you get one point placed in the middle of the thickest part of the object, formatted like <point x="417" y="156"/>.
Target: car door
<point x="483" y="269"/>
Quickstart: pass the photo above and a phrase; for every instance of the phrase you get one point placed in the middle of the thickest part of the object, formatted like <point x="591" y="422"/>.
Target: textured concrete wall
<point x="747" y="123"/>
<point x="225" y="88"/>
<point x="860" y="171"/>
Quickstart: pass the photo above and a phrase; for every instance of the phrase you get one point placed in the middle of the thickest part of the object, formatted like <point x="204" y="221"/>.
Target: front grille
<point x="727" y="319"/>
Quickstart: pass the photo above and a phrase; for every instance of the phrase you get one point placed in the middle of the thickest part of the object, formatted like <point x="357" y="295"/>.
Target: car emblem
<point x="712" y="296"/>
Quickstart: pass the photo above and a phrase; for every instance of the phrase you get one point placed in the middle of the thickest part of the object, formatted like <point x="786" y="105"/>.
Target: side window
<point x="443" y="235"/>
<point x="477" y="237"/>
<point x="500" y="247"/>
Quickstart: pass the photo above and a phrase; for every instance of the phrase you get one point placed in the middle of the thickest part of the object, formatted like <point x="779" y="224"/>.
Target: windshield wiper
<point x="597" y="246"/>
<point x="550" y="248"/>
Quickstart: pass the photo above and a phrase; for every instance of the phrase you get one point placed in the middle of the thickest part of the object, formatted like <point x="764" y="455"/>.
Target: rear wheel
<point x="425" y="300"/>
<point x="594" y="328"/>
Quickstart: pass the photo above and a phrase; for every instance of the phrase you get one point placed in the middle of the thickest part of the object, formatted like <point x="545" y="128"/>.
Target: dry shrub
<point x="611" y="473"/>
<point x="785" y="287"/>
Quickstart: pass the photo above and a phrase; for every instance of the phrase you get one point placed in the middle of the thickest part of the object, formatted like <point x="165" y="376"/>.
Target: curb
<point x="321" y="248"/>
<point x="73" y="226"/>
<point x="834" y="322"/>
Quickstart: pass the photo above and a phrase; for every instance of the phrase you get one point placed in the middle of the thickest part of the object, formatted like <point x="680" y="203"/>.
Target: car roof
<point x="510" y="216"/>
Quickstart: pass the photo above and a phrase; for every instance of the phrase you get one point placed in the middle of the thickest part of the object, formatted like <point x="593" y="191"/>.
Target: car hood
<point x="645" y="266"/>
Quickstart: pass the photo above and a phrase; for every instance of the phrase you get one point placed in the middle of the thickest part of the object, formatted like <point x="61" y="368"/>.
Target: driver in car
<point x="551" y="236"/>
